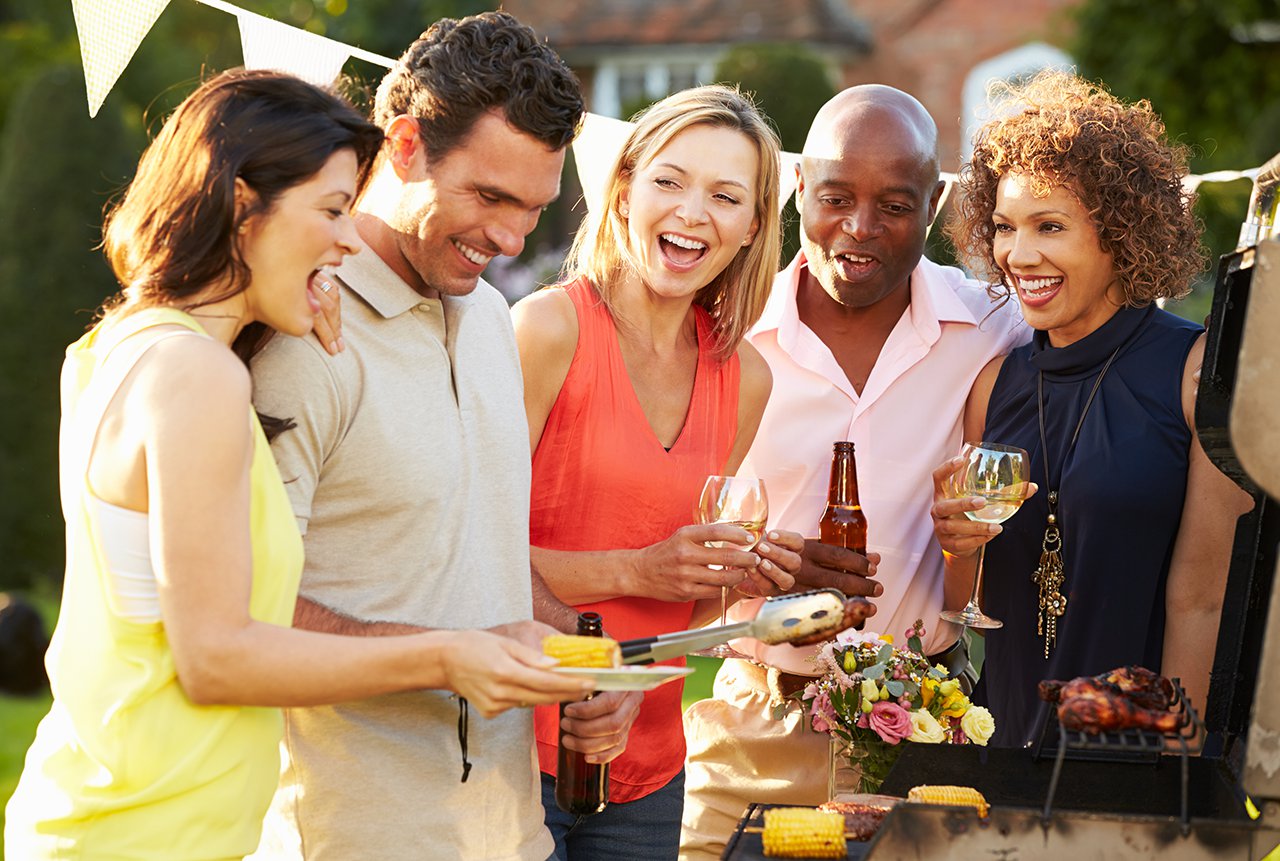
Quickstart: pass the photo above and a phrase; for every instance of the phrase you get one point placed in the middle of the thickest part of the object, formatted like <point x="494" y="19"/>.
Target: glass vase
<point x="859" y="767"/>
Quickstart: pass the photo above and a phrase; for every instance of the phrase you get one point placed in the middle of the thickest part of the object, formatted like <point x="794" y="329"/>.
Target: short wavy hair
<point x="1059" y="129"/>
<point x="460" y="69"/>
<point x="735" y="298"/>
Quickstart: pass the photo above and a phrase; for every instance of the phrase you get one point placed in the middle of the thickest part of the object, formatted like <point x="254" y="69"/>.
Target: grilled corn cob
<point x="575" y="651"/>
<point x="956" y="796"/>
<point x="802" y="832"/>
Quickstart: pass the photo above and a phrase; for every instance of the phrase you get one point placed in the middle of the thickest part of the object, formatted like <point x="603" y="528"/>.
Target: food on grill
<point x="955" y="796"/>
<point x="861" y="821"/>
<point x="803" y="832"/>
<point x="1124" y="698"/>
<point x="572" y="650"/>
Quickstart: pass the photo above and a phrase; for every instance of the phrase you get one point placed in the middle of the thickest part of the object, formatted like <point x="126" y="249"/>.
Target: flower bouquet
<point x="872" y="696"/>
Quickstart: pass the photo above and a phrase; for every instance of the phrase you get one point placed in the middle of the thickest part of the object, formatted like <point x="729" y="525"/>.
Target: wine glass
<point x="997" y="473"/>
<point x="742" y="502"/>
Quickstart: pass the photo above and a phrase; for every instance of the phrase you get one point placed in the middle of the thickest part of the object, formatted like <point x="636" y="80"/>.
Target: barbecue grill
<point x="1139" y="794"/>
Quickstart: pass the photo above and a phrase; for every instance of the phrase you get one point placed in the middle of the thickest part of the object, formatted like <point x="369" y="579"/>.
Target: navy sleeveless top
<point x="1120" y="495"/>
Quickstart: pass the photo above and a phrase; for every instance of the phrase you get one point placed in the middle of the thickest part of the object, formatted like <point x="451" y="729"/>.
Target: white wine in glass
<point x="998" y="473"/>
<point x="741" y="502"/>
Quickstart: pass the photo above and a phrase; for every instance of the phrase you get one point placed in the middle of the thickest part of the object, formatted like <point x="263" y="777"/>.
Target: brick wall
<point x="927" y="47"/>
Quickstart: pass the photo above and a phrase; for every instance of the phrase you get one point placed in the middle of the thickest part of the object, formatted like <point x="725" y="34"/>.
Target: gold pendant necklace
<point x="1051" y="574"/>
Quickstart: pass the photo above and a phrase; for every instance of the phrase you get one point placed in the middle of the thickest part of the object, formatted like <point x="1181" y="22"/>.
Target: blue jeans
<point x="647" y="829"/>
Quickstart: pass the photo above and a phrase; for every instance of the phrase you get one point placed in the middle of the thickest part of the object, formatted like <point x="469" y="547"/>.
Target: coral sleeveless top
<point x="124" y="765"/>
<point x="603" y="481"/>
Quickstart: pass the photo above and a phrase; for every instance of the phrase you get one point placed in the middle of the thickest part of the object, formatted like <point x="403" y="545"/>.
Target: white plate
<point x="628" y="678"/>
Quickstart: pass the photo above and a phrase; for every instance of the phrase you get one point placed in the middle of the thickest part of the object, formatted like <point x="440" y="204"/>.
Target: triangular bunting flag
<point x="109" y="33"/>
<point x="594" y="151"/>
<point x="269" y="44"/>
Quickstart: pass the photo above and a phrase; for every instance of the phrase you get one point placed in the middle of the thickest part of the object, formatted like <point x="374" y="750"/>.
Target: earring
<point x="624" y="210"/>
<point x="243" y="228"/>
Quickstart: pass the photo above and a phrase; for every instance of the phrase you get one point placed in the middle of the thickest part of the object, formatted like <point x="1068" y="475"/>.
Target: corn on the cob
<point x="956" y="796"/>
<point x="802" y="832"/>
<point x="572" y="650"/>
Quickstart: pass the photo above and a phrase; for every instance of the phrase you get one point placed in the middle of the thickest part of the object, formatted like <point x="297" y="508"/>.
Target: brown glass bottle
<point x="582" y="788"/>
<point x="843" y="523"/>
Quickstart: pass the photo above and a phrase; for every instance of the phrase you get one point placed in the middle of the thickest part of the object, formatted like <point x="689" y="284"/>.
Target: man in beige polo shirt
<point x="408" y="468"/>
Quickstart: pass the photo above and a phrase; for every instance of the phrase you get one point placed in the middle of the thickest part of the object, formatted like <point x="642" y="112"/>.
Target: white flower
<point x="850" y="637"/>
<point x="928" y="730"/>
<point x="978" y="724"/>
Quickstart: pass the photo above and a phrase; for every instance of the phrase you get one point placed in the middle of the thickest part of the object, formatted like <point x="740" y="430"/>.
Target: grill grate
<point x="1126" y="746"/>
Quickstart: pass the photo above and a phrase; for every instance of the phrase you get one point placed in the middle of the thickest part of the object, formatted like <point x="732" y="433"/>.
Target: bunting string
<point x="111" y="32"/>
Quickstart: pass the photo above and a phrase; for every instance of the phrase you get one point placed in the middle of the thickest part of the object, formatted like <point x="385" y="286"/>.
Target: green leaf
<point x="874" y="671"/>
<point x="895" y="687"/>
<point x="885" y="654"/>
<point x="914" y="645"/>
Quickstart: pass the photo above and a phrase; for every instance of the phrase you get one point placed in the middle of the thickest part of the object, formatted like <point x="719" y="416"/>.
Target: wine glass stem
<point x="724" y="606"/>
<point x="977" y="580"/>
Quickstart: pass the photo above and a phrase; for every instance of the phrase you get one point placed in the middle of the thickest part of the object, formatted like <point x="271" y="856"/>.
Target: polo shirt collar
<point x="933" y="301"/>
<point x="369" y="276"/>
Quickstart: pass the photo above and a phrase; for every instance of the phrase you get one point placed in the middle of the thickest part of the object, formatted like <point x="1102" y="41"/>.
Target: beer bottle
<point x="843" y="523"/>
<point x="582" y="788"/>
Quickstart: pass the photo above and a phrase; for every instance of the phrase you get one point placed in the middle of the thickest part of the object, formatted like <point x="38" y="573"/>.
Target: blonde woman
<point x="639" y="385"/>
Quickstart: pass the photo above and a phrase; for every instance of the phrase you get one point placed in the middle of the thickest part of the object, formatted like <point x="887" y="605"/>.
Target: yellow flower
<point x="978" y="725"/>
<point x="870" y="692"/>
<point x="955" y="704"/>
<point x="948" y="687"/>
<point x="927" y="690"/>
<point x="927" y="728"/>
<point x="888" y="638"/>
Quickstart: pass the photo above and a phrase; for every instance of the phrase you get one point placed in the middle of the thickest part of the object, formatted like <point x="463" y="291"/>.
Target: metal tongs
<point x="813" y="616"/>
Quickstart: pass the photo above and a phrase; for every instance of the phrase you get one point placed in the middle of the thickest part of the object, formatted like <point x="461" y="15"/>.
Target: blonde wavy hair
<point x="735" y="298"/>
<point x="1059" y="129"/>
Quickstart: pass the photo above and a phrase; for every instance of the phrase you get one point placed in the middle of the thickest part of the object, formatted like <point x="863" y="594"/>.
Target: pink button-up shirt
<point x="907" y="420"/>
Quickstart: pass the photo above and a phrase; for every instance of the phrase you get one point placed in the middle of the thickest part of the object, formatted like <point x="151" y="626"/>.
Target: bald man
<point x="869" y="342"/>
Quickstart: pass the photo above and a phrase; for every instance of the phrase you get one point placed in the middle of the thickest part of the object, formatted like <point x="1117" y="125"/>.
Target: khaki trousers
<point x="739" y="754"/>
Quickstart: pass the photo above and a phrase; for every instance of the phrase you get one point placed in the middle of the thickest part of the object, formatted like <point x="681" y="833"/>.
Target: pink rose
<point x="822" y="713"/>
<point x="891" y="722"/>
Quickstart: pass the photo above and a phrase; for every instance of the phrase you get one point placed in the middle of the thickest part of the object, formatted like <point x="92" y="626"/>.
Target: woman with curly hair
<point x="1073" y="203"/>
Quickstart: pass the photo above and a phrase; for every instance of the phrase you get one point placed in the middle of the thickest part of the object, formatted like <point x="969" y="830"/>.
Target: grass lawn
<point x="19" y="716"/>
<point x="698" y="685"/>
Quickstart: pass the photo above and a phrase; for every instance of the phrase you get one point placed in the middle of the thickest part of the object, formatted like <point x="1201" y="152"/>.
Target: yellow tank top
<point x="124" y="765"/>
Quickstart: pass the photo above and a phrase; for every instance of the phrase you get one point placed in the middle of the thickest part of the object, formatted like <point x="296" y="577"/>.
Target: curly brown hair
<point x="460" y="69"/>
<point x="1059" y="129"/>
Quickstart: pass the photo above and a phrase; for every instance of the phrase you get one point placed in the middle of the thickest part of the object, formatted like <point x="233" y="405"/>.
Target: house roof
<point x="590" y="24"/>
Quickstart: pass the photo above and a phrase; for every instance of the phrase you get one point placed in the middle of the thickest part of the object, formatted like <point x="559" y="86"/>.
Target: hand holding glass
<point x="998" y="473"/>
<point x="741" y="502"/>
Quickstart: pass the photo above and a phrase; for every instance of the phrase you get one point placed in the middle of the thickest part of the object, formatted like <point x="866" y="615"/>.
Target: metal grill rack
<point x="1130" y="745"/>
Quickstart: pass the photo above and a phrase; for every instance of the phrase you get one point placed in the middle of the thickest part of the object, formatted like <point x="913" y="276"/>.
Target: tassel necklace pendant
<point x="1049" y="576"/>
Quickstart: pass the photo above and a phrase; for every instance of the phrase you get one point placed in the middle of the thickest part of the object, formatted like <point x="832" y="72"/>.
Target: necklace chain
<point x="1050" y="574"/>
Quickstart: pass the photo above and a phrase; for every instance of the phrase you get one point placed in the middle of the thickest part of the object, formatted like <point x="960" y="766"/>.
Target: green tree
<point x="1209" y="70"/>
<point x="790" y="83"/>
<point x="58" y="169"/>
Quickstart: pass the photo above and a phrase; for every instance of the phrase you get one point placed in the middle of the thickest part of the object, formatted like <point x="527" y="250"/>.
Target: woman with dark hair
<point x="638" y="385"/>
<point x="1073" y="202"/>
<point x="183" y="555"/>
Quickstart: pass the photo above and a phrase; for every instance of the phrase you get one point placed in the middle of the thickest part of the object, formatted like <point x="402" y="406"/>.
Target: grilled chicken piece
<point x="1124" y="698"/>
<point x="1147" y="689"/>
<point x="1098" y="710"/>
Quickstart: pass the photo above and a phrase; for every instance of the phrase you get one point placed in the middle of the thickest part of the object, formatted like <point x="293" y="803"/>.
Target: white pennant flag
<point x="269" y="44"/>
<point x="109" y="33"/>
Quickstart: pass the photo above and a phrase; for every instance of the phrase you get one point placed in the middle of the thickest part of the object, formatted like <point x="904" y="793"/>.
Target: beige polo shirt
<point x="409" y="475"/>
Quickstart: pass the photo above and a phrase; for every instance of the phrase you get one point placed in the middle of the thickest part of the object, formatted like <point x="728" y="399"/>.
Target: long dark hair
<point x="173" y="233"/>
